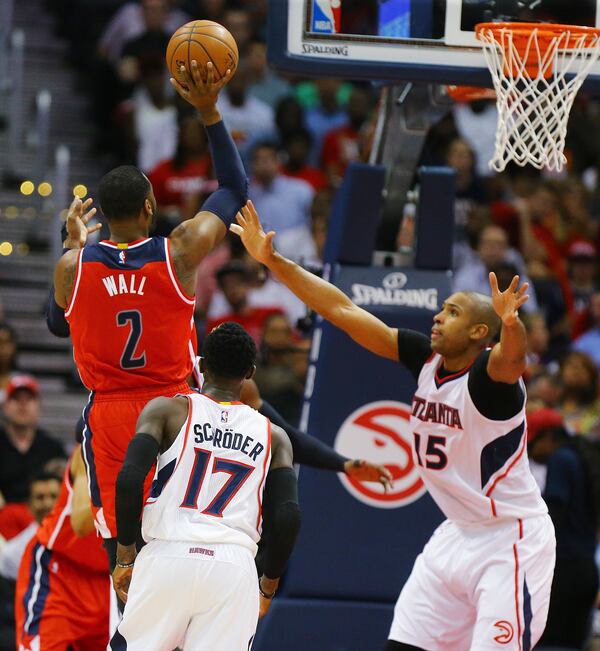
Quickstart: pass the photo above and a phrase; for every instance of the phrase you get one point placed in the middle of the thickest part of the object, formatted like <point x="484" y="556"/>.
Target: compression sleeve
<point x="308" y="450"/>
<point x="414" y="349"/>
<point x="141" y="455"/>
<point x="281" y="515"/>
<point x="232" y="193"/>
<point x="494" y="400"/>
<point x="55" y="317"/>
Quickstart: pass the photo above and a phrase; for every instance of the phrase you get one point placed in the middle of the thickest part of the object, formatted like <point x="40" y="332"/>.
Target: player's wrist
<point x="71" y="243"/>
<point x="267" y="587"/>
<point x="209" y="115"/>
<point x="126" y="555"/>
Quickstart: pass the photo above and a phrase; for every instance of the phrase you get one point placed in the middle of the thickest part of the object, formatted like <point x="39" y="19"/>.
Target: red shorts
<point x="110" y="420"/>
<point x="60" y="604"/>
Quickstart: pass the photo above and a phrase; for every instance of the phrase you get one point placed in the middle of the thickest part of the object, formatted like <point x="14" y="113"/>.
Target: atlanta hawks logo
<point x="507" y="632"/>
<point x="380" y="431"/>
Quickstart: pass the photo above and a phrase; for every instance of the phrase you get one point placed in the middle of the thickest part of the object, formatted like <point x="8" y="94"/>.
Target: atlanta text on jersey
<point x="436" y="412"/>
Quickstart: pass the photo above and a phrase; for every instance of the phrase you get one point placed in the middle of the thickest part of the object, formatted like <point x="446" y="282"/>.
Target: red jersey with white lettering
<point x="131" y="322"/>
<point x="56" y="534"/>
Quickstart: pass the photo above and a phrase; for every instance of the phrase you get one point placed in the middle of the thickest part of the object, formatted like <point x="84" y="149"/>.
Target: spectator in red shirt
<point x="234" y="282"/>
<point x="341" y="146"/>
<point x="178" y="182"/>
<point x="297" y="146"/>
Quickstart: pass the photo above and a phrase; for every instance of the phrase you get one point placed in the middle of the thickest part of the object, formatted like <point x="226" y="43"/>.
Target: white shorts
<point x="190" y="595"/>
<point x="479" y="589"/>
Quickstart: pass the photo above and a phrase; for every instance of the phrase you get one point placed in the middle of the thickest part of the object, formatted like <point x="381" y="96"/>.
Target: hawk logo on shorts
<point x="507" y="633"/>
<point x="224" y="416"/>
<point x="122" y="257"/>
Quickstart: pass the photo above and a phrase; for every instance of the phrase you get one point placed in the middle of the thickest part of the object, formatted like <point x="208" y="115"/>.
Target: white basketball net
<point x="535" y="88"/>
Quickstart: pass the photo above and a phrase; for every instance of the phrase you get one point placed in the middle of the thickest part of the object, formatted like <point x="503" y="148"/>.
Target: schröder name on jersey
<point x="122" y="285"/>
<point x="369" y="295"/>
<point x="228" y="439"/>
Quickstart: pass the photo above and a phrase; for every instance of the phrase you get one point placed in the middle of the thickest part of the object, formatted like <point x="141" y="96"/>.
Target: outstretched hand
<point x="77" y="223"/>
<point x="362" y="470"/>
<point x="258" y="243"/>
<point x="507" y="303"/>
<point x="199" y="87"/>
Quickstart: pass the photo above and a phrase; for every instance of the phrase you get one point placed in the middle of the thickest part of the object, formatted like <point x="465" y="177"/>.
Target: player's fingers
<point x="252" y="212"/>
<point x="522" y="300"/>
<point x="247" y="216"/>
<point x="241" y="219"/>
<point x="524" y="287"/>
<point x="210" y="74"/>
<point x="184" y="92"/>
<point x="196" y="75"/>
<point x="237" y="229"/>
<point x="87" y="203"/>
<point x="94" y="228"/>
<point x="88" y="215"/>
<point x="187" y="77"/>
<point x="224" y="79"/>
<point x="270" y="235"/>
<point x="493" y="282"/>
<point x="514" y="283"/>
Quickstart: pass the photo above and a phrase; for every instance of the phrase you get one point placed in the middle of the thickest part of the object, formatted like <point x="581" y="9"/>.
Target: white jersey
<point x="208" y="485"/>
<point x="476" y="469"/>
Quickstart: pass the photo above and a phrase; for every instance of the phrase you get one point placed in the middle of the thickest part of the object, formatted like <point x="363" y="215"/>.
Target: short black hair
<point x="298" y="134"/>
<point x="122" y="192"/>
<point x="264" y="144"/>
<point x="43" y="475"/>
<point x="229" y="351"/>
<point x="233" y="267"/>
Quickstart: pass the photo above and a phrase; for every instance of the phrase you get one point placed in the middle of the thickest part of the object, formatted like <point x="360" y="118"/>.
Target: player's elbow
<point x="82" y="524"/>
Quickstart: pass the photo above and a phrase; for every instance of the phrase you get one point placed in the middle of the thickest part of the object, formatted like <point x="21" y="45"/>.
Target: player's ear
<point x="251" y="372"/>
<point x="149" y="208"/>
<point x="479" y="332"/>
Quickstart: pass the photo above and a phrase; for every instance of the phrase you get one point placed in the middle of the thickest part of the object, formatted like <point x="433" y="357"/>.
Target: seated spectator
<point x="537" y="342"/>
<point x="43" y="489"/>
<point x="580" y="404"/>
<point x="24" y="448"/>
<point x="237" y="20"/>
<point x="326" y="116"/>
<point x="151" y="119"/>
<point x="492" y="251"/>
<point x="283" y="203"/>
<point x="234" y="282"/>
<point x="8" y="355"/>
<point x="575" y="202"/>
<point x="589" y="341"/>
<point x="179" y="182"/>
<point x="289" y="118"/>
<point x="247" y="118"/>
<point x="570" y="497"/>
<point x="544" y="390"/>
<point x="296" y="147"/>
<point x="341" y="146"/>
<point x="133" y="19"/>
<point x="265" y="84"/>
<point x="583" y="267"/>
<point x="320" y="212"/>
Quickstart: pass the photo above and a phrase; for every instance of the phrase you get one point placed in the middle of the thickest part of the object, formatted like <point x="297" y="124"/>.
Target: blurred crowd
<point x="297" y="137"/>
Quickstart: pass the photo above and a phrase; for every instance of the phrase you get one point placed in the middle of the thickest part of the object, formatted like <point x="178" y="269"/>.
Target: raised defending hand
<point x="201" y="89"/>
<point x="78" y="217"/>
<point x="258" y="243"/>
<point x="362" y="470"/>
<point x="507" y="303"/>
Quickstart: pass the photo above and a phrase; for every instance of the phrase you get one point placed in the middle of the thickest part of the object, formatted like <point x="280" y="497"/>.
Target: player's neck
<point x="458" y="362"/>
<point x="221" y="393"/>
<point x="126" y="234"/>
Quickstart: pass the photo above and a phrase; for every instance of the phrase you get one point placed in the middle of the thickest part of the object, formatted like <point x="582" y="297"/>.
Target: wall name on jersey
<point x="227" y="439"/>
<point x="121" y="285"/>
<point x="436" y="412"/>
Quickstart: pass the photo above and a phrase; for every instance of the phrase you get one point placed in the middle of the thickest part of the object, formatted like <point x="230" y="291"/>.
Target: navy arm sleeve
<point x="414" y="349"/>
<point x="308" y="450"/>
<point x="232" y="193"/>
<point x="55" y="317"/>
<point x="494" y="400"/>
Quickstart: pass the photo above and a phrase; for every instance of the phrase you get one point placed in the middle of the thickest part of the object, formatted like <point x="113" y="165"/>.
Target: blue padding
<point x="355" y="215"/>
<point x="300" y="625"/>
<point x="435" y="222"/>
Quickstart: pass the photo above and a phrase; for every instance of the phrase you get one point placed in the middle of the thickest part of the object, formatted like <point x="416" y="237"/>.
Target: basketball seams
<point x="216" y="38"/>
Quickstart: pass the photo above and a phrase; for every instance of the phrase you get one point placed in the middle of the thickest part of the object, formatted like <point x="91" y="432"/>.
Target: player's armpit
<point x="191" y="242"/>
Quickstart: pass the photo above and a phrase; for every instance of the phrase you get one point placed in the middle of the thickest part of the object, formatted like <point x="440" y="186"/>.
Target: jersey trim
<point x="448" y="378"/>
<point x="190" y="300"/>
<point x="520" y="637"/>
<point x="39" y="588"/>
<point x="125" y="245"/>
<point x="219" y="402"/>
<point x="505" y="473"/>
<point x="264" y="477"/>
<point x="77" y="279"/>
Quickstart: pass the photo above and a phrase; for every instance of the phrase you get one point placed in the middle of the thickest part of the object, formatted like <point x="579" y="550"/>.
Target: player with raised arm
<point x="194" y="584"/>
<point x="483" y="580"/>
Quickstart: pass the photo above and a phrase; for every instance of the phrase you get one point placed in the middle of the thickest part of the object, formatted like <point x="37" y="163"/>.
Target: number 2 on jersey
<point x="435" y="449"/>
<point x="133" y="318"/>
<point x="238" y="473"/>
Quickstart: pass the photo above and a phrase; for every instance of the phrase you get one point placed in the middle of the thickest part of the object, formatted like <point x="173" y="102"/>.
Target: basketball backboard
<point x="409" y="40"/>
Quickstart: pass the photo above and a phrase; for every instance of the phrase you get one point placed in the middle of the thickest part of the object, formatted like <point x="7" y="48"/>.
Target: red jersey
<point x="131" y="323"/>
<point x="56" y="534"/>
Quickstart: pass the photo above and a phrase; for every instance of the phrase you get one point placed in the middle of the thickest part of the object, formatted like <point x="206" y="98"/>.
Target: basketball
<point x="204" y="41"/>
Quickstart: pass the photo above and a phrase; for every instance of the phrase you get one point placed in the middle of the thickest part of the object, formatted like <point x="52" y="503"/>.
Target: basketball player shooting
<point x="195" y="583"/>
<point x="483" y="580"/>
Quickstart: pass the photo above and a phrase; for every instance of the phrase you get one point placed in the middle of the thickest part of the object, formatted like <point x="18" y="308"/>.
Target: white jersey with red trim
<point x="208" y="485"/>
<point x="476" y="469"/>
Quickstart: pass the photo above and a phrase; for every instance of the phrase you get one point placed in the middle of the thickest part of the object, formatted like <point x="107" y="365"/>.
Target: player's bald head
<point x="481" y="310"/>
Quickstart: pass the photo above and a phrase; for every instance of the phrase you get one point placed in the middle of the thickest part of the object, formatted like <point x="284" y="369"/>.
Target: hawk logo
<point x="122" y="257"/>
<point x="507" y="632"/>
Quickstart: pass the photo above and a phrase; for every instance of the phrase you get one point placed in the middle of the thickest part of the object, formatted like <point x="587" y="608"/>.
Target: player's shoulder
<point x="279" y="438"/>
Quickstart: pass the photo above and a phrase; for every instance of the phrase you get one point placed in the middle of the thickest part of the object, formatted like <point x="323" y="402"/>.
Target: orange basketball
<point x="204" y="41"/>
